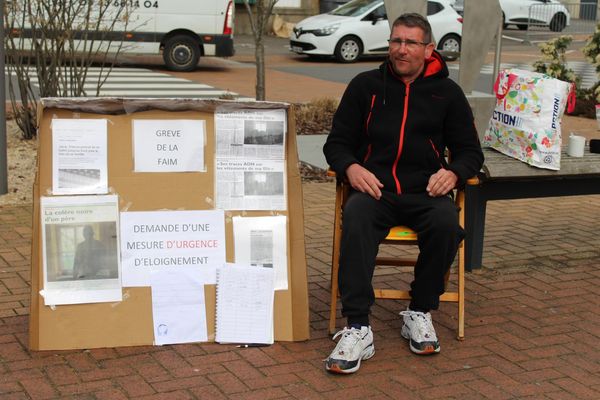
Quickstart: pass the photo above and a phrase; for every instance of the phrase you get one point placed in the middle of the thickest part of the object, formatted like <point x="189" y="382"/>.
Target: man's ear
<point x="429" y="50"/>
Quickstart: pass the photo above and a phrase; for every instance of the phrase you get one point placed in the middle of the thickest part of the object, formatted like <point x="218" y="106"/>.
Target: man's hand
<point x="364" y="181"/>
<point x="441" y="182"/>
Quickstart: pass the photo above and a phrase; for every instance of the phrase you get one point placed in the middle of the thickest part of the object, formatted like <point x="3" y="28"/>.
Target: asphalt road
<point x="523" y="44"/>
<point x="514" y="41"/>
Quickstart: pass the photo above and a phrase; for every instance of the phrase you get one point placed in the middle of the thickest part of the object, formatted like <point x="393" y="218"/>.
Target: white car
<point x="361" y="27"/>
<point x="524" y="13"/>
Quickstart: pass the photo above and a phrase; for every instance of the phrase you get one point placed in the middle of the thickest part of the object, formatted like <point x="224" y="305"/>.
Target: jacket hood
<point x="434" y="66"/>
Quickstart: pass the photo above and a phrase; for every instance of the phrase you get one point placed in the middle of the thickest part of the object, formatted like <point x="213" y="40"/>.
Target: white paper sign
<point x="79" y="163"/>
<point x="170" y="240"/>
<point x="178" y="309"/>
<point x="262" y="241"/>
<point x="80" y="249"/>
<point x="171" y="145"/>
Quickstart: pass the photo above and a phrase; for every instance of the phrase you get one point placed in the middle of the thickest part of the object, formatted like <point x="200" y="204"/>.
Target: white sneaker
<point x="354" y="346"/>
<point x="419" y="331"/>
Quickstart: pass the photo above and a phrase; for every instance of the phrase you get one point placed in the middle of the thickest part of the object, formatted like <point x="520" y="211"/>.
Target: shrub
<point x="554" y="64"/>
<point x="554" y="61"/>
<point x="591" y="51"/>
<point x="314" y="117"/>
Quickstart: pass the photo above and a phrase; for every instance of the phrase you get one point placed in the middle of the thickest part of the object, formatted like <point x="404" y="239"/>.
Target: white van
<point x="184" y="30"/>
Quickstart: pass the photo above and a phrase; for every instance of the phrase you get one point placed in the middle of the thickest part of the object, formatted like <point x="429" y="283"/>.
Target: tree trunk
<point x="258" y="22"/>
<point x="259" y="53"/>
<point x="259" y="48"/>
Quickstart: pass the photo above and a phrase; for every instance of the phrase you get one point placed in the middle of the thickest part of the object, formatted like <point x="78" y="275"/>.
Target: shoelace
<point x="348" y="340"/>
<point x="423" y="323"/>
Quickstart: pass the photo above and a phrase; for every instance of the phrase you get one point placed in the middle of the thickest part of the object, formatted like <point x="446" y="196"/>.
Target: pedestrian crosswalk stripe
<point x="121" y="78"/>
<point x="140" y="82"/>
<point x="213" y="94"/>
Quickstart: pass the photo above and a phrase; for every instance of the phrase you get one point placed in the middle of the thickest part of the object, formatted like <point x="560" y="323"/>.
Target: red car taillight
<point x="228" y="25"/>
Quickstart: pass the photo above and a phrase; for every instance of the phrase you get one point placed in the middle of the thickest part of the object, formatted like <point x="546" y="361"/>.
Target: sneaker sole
<point x="335" y="369"/>
<point x="422" y="352"/>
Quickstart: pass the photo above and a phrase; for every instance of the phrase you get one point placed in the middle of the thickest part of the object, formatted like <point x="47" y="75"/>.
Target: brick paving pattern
<point x="532" y="325"/>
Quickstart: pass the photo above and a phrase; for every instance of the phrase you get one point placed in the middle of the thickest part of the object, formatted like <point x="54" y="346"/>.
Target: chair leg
<point x="461" y="292"/>
<point x="333" y="304"/>
<point x="335" y="260"/>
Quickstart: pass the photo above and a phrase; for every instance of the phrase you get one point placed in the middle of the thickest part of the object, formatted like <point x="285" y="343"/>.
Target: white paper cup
<point x="576" y="146"/>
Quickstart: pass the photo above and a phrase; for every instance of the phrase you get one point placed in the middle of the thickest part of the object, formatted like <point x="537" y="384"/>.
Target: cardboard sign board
<point x="129" y="322"/>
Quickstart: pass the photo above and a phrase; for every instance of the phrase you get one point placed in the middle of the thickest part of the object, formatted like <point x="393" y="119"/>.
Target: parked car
<point x="360" y="27"/>
<point x="459" y="6"/>
<point x="525" y="13"/>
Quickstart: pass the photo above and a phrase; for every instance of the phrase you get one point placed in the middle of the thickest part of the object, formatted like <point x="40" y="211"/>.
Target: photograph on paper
<point x="261" y="248"/>
<point x="266" y="133"/>
<point x="263" y="183"/>
<point x="251" y="134"/>
<point x="262" y="241"/>
<point x="81" y="249"/>
<point x="79" y="156"/>
<point x="169" y="145"/>
<point x="250" y="184"/>
<point x="170" y="240"/>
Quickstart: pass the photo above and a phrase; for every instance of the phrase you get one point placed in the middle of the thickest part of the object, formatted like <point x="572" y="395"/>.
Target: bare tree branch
<point x="59" y="41"/>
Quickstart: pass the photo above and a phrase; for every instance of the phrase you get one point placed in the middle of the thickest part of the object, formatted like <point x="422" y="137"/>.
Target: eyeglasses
<point x="410" y="44"/>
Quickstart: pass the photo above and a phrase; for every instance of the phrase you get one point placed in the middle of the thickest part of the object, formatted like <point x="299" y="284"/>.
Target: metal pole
<point x="497" y="53"/>
<point x="3" y="152"/>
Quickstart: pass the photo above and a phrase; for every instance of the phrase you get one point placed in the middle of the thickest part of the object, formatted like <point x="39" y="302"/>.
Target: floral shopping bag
<point x="525" y="123"/>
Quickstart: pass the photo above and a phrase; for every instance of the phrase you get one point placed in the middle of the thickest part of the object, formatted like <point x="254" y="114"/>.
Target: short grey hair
<point x="414" y="20"/>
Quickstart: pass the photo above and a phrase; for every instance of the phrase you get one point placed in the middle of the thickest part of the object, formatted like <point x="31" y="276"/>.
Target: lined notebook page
<point x="245" y="304"/>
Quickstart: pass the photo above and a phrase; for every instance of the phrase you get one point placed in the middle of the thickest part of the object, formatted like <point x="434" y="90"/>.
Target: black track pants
<point x="366" y="222"/>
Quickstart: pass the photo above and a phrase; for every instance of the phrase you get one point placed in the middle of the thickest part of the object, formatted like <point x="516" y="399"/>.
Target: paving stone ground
<point x="532" y="326"/>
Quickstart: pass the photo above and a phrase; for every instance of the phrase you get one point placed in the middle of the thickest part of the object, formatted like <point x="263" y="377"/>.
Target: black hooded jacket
<point x="400" y="131"/>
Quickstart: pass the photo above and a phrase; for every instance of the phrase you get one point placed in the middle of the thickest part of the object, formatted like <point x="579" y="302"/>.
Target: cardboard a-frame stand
<point x="129" y="322"/>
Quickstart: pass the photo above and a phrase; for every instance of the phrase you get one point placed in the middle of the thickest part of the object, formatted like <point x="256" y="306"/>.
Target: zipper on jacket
<point x="401" y="142"/>
<point x="373" y="97"/>
<point x="437" y="153"/>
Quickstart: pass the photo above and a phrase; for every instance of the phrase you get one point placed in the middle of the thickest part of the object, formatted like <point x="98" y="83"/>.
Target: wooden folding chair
<point x="398" y="235"/>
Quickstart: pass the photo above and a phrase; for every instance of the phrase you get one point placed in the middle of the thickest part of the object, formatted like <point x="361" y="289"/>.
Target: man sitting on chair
<point x="388" y="139"/>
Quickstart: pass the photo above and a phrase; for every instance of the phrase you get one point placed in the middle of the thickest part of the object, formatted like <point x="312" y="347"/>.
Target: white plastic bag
<point x="525" y="123"/>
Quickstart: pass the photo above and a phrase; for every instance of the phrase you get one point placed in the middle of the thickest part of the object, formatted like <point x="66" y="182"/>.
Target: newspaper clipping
<point x="80" y="249"/>
<point x="251" y="134"/>
<point x="79" y="154"/>
<point x="250" y="163"/>
<point x="262" y="241"/>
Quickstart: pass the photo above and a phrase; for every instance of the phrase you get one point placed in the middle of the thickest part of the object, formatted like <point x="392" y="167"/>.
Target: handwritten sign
<point x="169" y="145"/>
<point x="170" y="239"/>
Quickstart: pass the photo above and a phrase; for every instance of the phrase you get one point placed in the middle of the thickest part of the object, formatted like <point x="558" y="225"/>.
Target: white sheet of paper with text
<point x="245" y="297"/>
<point x="178" y="305"/>
<point x="262" y="241"/>
<point x="79" y="156"/>
<point x="168" y="145"/>
<point x="170" y="240"/>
